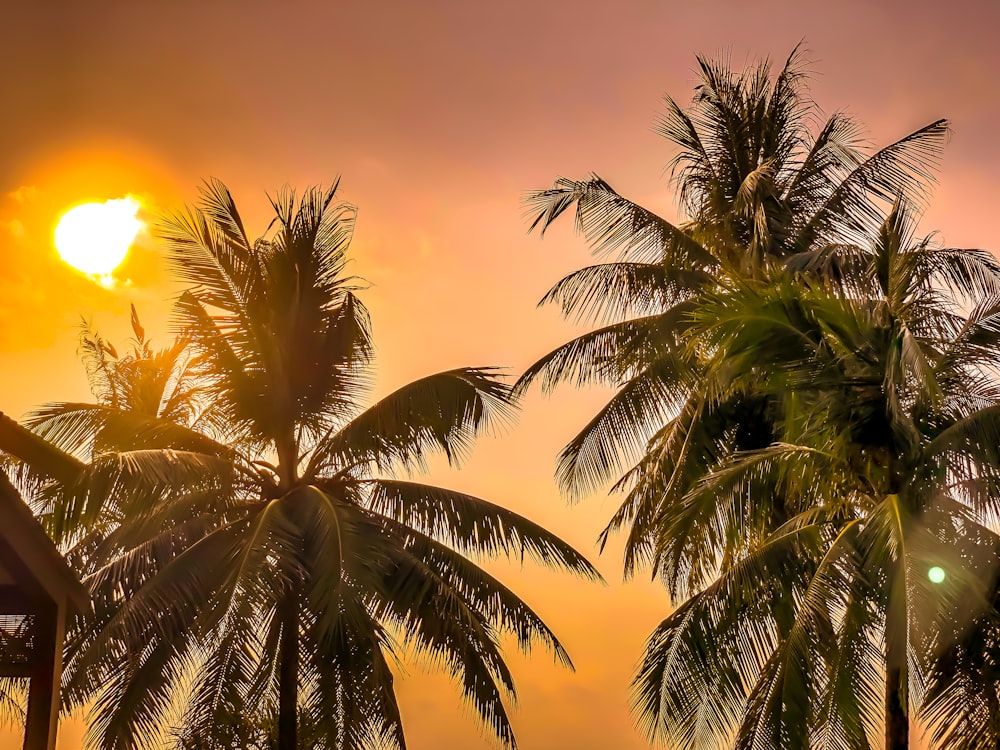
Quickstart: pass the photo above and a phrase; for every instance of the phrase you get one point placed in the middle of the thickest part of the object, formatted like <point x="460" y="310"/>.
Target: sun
<point x="95" y="237"/>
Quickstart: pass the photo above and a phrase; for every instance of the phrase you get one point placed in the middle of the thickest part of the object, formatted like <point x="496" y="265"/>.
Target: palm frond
<point x="615" y="226"/>
<point x="614" y="291"/>
<point x="441" y="412"/>
<point x="855" y="207"/>
<point x="614" y="438"/>
<point x="472" y="525"/>
<point x="612" y="354"/>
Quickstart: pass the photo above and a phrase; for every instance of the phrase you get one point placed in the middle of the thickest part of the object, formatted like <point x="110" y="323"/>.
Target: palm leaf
<point x="472" y="525"/>
<point x="441" y="412"/>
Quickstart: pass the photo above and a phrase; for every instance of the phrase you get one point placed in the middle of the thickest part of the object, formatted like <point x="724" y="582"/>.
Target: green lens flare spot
<point x="936" y="574"/>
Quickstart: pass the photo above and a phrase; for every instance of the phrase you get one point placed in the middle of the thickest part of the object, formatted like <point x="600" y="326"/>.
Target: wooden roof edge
<point x="29" y="541"/>
<point x="37" y="452"/>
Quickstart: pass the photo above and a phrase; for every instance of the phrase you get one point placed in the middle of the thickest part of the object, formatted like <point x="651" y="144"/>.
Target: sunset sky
<point x="438" y="115"/>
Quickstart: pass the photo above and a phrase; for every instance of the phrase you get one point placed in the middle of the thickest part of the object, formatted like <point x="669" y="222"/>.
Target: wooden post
<point x="43" y="693"/>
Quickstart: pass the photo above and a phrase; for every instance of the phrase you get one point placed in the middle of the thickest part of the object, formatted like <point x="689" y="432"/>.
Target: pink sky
<point x="438" y="115"/>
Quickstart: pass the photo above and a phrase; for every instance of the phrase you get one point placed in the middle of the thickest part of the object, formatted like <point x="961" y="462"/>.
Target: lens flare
<point x="936" y="574"/>
<point x="95" y="237"/>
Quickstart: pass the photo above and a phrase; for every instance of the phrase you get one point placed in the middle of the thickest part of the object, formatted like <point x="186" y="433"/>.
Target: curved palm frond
<point x="441" y="412"/>
<point x="613" y="225"/>
<point x="471" y="525"/>
<point x="614" y="291"/>
<point x="612" y="354"/>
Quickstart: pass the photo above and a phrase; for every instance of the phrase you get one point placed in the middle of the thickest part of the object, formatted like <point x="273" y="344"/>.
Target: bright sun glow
<point x="95" y="237"/>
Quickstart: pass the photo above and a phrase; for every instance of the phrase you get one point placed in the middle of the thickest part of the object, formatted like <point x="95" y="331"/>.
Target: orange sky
<point x="438" y="115"/>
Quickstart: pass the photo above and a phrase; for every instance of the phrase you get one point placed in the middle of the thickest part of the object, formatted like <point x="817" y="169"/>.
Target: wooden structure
<point x="38" y="591"/>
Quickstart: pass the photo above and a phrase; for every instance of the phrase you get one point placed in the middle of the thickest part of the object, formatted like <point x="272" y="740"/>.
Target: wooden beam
<point x="29" y="556"/>
<point x="14" y="600"/>
<point x="27" y="580"/>
<point x="16" y="670"/>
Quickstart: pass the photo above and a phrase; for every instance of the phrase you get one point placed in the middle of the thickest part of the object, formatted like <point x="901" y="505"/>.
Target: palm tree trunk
<point x="288" y="459"/>
<point x="897" y="722"/>
<point x="288" y="673"/>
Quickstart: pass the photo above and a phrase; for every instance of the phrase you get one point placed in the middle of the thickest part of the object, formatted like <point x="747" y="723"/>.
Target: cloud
<point x="12" y="210"/>
<point x="14" y="227"/>
<point x="24" y="195"/>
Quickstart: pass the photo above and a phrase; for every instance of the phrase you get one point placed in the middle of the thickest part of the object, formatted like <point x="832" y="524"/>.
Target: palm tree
<point x="714" y="353"/>
<point x="887" y="466"/>
<point x="248" y="539"/>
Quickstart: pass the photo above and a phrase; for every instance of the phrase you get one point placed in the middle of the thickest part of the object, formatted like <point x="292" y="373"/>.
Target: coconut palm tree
<point x="253" y="539"/>
<point x="775" y="211"/>
<point x="886" y="466"/>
